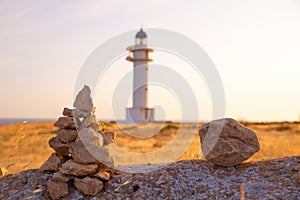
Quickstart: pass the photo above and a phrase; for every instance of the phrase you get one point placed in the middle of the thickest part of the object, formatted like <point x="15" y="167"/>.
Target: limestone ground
<point x="191" y="179"/>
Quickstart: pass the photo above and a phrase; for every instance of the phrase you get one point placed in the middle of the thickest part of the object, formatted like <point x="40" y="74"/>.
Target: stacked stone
<point x="72" y="162"/>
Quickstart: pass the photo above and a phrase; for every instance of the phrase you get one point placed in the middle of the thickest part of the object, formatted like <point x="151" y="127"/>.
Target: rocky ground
<point x="192" y="179"/>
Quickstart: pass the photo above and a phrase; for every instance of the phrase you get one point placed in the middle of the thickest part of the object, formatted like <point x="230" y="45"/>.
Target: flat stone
<point x="57" y="190"/>
<point x="59" y="147"/>
<point x="65" y="122"/>
<point x="59" y="177"/>
<point x="88" y="185"/>
<point x="72" y="168"/>
<point x="83" y="100"/>
<point x="67" y="135"/>
<point x="67" y="112"/>
<point x="52" y="164"/>
<point x="102" y="175"/>
<point x="225" y="142"/>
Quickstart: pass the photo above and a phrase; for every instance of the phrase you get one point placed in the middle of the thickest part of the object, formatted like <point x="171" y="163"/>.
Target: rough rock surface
<point x="59" y="147"/>
<point x="67" y="135"/>
<point x="83" y="100"/>
<point x="225" y="142"/>
<point x="192" y="179"/>
<point x="90" y="136"/>
<point x="72" y="168"/>
<point x="59" y="177"/>
<point x="65" y="122"/>
<point x="88" y="185"/>
<point x="90" y="121"/>
<point x="77" y="113"/>
<point x="57" y="190"/>
<point x="52" y="164"/>
<point x="80" y="153"/>
<point x="67" y="112"/>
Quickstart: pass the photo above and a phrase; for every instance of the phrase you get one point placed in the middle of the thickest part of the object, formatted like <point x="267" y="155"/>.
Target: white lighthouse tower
<point x="140" y="113"/>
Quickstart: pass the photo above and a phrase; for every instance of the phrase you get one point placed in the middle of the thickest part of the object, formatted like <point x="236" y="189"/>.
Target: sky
<point x="254" y="44"/>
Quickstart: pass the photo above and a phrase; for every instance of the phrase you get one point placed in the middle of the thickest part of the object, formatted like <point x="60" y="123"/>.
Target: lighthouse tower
<point x="139" y="55"/>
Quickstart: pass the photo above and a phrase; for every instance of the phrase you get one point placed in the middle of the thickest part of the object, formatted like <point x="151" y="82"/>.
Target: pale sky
<point x="254" y="44"/>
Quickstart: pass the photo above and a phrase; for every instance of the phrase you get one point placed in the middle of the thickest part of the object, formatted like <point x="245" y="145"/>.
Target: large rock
<point x="88" y="153"/>
<point x="67" y="135"/>
<point x="65" y="122"/>
<point x="59" y="147"/>
<point x="88" y="185"/>
<point x="57" y="190"/>
<point x="80" y="153"/>
<point x="52" y="164"/>
<point x="72" y="168"/>
<point x="83" y="100"/>
<point x="225" y="142"/>
<point x="88" y="147"/>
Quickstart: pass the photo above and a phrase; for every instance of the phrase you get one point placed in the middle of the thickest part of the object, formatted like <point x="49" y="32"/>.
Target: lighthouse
<point x="139" y="55"/>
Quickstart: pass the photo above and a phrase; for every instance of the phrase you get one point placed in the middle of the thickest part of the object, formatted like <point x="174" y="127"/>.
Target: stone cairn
<point x="72" y="163"/>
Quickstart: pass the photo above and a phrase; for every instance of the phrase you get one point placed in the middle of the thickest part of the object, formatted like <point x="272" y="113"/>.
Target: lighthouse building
<point x="139" y="55"/>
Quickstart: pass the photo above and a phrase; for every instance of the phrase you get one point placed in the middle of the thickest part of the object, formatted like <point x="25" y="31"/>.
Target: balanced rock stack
<point x="226" y="142"/>
<point x="81" y="151"/>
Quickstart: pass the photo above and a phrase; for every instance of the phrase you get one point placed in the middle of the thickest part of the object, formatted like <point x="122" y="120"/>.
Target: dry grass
<point x="277" y="140"/>
<point x="25" y="146"/>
